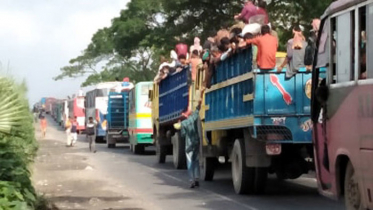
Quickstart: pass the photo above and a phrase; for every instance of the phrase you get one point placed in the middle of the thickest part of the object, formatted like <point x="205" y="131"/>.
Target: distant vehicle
<point x="76" y="109"/>
<point x="58" y="111"/>
<point x="48" y="105"/>
<point x="64" y="113"/>
<point x="96" y="106"/>
<point x="117" y="115"/>
<point x="140" y="122"/>
<point x="342" y="104"/>
<point x="169" y="99"/>
<point x="42" y="102"/>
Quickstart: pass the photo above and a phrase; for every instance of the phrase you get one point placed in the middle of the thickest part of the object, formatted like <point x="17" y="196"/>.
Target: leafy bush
<point x="18" y="147"/>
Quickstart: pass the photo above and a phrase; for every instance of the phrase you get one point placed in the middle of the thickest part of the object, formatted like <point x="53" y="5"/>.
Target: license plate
<point x="273" y="149"/>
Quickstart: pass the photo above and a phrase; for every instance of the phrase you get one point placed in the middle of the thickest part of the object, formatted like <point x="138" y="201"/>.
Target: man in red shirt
<point x="267" y="48"/>
<point x="247" y="12"/>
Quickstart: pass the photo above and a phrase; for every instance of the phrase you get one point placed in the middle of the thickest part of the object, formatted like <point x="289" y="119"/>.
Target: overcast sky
<point x="39" y="37"/>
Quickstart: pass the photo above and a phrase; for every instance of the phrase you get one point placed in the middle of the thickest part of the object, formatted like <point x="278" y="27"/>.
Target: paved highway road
<point x="116" y="179"/>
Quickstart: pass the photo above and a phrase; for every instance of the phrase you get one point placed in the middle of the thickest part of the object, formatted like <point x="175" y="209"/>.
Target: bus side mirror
<point x="322" y="94"/>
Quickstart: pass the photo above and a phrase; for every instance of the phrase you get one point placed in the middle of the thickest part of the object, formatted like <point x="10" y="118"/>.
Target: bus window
<point x="145" y="89"/>
<point x="344" y="55"/>
<point x="369" y="35"/>
<point x="362" y="43"/>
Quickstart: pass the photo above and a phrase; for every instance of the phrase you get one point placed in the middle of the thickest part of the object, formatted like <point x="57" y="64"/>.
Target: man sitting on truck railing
<point x="296" y="48"/>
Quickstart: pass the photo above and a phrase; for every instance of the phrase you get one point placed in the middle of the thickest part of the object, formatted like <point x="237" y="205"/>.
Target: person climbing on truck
<point x="248" y="11"/>
<point x="267" y="48"/>
<point x="189" y="129"/>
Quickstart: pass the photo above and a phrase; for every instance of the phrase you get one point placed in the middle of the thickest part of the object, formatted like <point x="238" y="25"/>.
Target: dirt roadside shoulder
<point x="67" y="178"/>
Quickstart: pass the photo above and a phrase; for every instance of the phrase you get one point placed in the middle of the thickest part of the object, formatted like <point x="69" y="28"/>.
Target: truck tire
<point x="352" y="191"/>
<point x="108" y="141"/>
<point x="207" y="168"/>
<point x="178" y="149"/>
<point x="138" y="149"/>
<point x="261" y="176"/>
<point x="243" y="177"/>
<point x="161" y="151"/>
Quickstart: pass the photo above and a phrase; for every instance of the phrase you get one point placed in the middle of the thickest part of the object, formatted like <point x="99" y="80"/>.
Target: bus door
<point x="144" y="108"/>
<point x="320" y="131"/>
<point x="366" y="104"/>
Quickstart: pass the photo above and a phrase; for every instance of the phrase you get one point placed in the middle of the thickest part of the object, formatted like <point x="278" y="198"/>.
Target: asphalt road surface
<point x="74" y="178"/>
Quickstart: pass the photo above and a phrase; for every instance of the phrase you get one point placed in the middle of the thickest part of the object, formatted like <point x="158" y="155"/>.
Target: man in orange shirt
<point x="267" y="48"/>
<point x="43" y="125"/>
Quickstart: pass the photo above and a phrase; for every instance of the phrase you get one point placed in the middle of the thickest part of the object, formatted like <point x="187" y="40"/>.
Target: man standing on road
<point x="43" y="126"/>
<point x="68" y="132"/>
<point x="91" y="133"/>
<point x="189" y="130"/>
<point x="74" y="131"/>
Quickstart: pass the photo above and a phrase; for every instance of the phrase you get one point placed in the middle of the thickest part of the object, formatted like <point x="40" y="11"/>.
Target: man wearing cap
<point x="189" y="129"/>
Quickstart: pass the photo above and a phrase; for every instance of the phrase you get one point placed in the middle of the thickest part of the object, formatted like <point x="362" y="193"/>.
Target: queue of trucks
<point x="259" y="121"/>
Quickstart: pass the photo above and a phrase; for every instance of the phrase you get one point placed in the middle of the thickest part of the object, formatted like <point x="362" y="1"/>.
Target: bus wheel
<point x="207" y="168"/>
<point x="351" y="189"/>
<point x="243" y="177"/>
<point x="161" y="152"/>
<point x="178" y="148"/>
<point x="138" y="149"/>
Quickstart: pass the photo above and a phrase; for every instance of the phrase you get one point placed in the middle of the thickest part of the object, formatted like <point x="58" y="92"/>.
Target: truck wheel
<point x="207" y="168"/>
<point x="160" y="152"/>
<point x="138" y="149"/>
<point x="352" y="190"/>
<point x="178" y="148"/>
<point x="243" y="177"/>
<point x="261" y="176"/>
<point x="97" y="139"/>
<point x="109" y="140"/>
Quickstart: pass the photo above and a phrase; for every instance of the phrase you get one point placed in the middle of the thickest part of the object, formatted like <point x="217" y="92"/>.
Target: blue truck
<point x="169" y="99"/>
<point x="117" y="119"/>
<point x="257" y="120"/>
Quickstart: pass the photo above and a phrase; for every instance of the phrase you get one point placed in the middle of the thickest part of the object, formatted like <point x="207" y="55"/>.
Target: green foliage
<point x="131" y="46"/>
<point x="17" y="147"/>
<point x="287" y="13"/>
